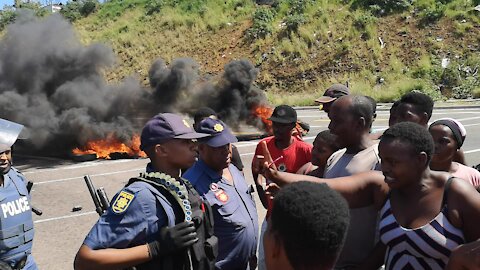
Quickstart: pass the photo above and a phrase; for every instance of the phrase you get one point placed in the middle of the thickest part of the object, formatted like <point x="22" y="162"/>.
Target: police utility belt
<point x="187" y="207"/>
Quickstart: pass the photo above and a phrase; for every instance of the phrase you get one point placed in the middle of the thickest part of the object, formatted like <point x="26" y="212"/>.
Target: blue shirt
<point x="130" y="225"/>
<point x="234" y="211"/>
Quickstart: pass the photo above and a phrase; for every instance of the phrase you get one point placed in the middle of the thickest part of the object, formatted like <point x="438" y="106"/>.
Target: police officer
<point x="16" y="224"/>
<point x="157" y="221"/>
<point x="225" y="188"/>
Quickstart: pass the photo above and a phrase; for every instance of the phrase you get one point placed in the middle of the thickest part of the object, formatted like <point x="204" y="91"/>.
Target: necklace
<point x="175" y="187"/>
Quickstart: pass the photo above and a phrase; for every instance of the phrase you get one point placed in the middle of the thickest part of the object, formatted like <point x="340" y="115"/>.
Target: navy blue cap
<point x="220" y="134"/>
<point x="164" y="127"/>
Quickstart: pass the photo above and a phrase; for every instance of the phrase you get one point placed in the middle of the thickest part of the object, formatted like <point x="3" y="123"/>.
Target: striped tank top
<point x="426" y="247"/>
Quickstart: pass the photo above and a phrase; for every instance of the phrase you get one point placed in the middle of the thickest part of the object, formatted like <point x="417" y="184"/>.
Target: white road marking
<point x="472" y="151"/>
<point x="64" y="217"/>
<point x="78" y="166"/>
<point x="81" y="177"/>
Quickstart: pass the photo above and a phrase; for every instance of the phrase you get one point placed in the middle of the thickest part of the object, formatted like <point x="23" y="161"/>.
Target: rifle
<point x="99" y="196"/>
<point x="35" y="210"/>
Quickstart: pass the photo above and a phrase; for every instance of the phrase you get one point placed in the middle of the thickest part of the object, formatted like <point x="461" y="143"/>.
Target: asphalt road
<point x="59" y="185"/>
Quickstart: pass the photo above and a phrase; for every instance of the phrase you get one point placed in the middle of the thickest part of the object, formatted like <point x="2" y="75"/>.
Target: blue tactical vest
<point x="201" y="258"/>
<point x="16" y="224"/>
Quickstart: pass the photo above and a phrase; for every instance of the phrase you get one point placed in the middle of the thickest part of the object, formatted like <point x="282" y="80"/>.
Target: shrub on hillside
<point x="7" y="17"/>
<point x="154" y="6"/>
<point x="262" y="23"/>
<point x="8" y="14"/>
<point x="35" y="7"/>
<point x="383" y="7"/>
<point x="298" y="6"/>
<point x="361" y="21"/>
<point x="71" y="11"/>
<point x="293" y="22"/>
<point x="74" y="10"/>
<point x="88" y="7"/>
<point x="432" y="14"/>
<point x="263" y="14"/>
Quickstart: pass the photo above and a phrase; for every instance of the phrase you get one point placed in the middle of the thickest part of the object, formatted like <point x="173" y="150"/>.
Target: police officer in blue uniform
<point x="225" y="188"/>
<point x="157" y="221"/>
<point x="16" y="224"/>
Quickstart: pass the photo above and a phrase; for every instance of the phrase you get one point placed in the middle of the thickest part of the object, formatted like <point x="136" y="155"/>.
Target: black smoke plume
<point x="53" y="84"/>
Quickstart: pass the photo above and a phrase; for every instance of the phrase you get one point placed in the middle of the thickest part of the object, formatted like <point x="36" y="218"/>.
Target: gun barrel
<point x="37" y="211"/>
<point x="102" y="195"/>
<point x="29" y="186"/>
<point x="91" y="189"/>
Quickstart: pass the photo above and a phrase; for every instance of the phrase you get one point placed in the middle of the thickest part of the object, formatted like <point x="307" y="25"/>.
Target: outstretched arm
<point x="261" y="155"/>
<point x="170" y="240"/>
<point x="359" y="190"/>
<point x="110" y="258"/>
<point x="258" y="182"/>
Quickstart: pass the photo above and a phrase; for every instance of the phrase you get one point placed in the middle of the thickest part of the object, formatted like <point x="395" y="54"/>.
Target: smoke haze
<point x="53" y="85"/>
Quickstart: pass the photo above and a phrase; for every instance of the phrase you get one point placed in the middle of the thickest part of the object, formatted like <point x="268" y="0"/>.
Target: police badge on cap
<point x="9" y="132"/>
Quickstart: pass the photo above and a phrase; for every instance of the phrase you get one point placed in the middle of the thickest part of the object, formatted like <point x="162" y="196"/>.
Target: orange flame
<point x="104" y="147"/>
<point x="264" y="112"/>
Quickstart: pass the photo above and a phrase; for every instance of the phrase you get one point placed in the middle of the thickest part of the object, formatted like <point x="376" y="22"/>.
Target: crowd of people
<point x="357" y="199"/>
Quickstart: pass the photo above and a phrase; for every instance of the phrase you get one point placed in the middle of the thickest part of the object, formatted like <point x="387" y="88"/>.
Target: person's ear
<point x="160" y="150"/>
<point x="423" y="158"/>
<point x="361" y="122"/>
<point x="424" y="117"/>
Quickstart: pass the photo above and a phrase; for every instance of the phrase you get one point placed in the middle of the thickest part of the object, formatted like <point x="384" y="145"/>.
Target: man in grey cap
<point x="226" y="190"/>
<point x="331" y="94"/>
<point x="16" y="224"/>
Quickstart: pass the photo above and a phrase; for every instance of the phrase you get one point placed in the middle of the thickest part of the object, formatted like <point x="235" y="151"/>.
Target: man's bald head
<point x="356" y="107"/>
<point x="350" y="120"/>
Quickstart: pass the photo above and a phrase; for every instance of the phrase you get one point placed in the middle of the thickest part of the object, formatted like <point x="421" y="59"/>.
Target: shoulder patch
<point x="122" y="202"/>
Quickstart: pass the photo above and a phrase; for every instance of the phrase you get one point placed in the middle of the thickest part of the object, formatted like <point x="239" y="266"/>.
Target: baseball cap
<point x="9" y="132"/>
<point x="333" y="92"/>
<point x="284" y="114"/>
<point x="220" y="134"/>
<point x="164" y="127"/>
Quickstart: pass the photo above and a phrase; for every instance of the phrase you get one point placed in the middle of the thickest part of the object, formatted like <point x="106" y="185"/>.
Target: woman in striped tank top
<point x="424" y="214"/>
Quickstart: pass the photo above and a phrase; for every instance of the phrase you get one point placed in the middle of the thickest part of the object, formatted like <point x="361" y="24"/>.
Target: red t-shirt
<point x="294" y="156"/>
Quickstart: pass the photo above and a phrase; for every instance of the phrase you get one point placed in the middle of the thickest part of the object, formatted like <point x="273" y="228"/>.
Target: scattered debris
<point x="83" y="157"/>
<point x="445" y="62"/>
<point x="382" y="44"/>
<point x="77" y="208"/>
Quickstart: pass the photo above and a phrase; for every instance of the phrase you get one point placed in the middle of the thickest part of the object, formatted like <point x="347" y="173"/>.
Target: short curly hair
<point x="413" y="134"/>
<point x="312" y="220"/>
<point x="422" y="102"/>
<point x="329" y="139"/>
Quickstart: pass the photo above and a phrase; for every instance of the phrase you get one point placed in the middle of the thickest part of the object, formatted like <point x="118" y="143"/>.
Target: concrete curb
<point x="449" y="104"/>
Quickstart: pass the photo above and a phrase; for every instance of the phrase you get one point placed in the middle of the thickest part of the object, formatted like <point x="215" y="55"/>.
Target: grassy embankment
<point x="302" y="46"/>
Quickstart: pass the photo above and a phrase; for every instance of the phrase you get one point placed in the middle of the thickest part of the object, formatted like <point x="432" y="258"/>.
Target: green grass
<point x="299" y="46"/>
